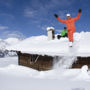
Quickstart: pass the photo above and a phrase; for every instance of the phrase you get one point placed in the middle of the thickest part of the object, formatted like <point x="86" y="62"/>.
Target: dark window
<point x="33" y="58"/>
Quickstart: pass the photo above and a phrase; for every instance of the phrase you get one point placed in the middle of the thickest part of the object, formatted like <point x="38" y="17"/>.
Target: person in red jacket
<point x="70" y="23"/>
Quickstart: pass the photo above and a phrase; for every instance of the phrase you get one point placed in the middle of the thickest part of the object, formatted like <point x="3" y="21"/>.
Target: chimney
<point x="50" y="33"/>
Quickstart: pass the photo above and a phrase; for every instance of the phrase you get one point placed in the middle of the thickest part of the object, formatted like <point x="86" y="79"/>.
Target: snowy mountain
<point x="8" y="42"/>
<point x="12" y="41"/>
<point x="5" y="43"/>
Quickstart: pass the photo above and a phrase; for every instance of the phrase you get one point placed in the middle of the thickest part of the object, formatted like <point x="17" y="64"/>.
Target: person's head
<point x="65" y="28"/>
<point x="68" y="16"/>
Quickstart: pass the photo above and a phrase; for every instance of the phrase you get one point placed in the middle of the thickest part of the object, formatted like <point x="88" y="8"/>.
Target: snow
<point x="84" y="73"/>
<point x="64" y="62"/>
<point x="8" y="42"/>
<point x="12" y="41"/>
<point x="3" y="44"/>
<point x="41" y="45"/>
<point x="4" y="62"/>
<point x="15" y="77"/>
<point x="50" y="28"/>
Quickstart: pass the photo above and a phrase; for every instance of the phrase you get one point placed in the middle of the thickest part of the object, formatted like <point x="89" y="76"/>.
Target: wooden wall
<point x="35" y="61"/>
<point x="39" y="62"/>
<point x="81" y="61"/>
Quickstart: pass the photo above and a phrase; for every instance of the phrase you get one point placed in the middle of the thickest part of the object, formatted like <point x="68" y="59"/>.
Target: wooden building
<point x="39" y="52"/>
<point x="40" y="62"/>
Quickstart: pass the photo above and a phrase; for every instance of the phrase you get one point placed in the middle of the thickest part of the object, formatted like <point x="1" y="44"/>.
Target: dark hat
<point x="65" y="27"/>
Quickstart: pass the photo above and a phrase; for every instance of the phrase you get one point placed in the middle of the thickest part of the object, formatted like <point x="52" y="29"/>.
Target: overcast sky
<point x="31" y="17"/>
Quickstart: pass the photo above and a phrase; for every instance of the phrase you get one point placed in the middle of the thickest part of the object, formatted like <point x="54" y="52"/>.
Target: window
<point x="33" y="58"/>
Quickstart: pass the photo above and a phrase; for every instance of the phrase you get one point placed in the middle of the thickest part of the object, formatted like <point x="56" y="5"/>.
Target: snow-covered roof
<point x="41" y="45"/>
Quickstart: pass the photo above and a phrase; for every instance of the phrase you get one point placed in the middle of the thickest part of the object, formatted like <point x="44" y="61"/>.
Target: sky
<point x="32" y="17"/>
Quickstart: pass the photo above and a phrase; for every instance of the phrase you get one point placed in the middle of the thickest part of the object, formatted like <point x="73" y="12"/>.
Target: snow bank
<point x="60" y="74"/>
<point x="83" y="75"/>
<point x="9" y="66"/>
<point x="40" y="45"/>
<point x="14" y="77"/>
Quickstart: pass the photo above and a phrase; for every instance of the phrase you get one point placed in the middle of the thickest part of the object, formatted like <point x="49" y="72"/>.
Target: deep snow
<point x="15" y="77"/>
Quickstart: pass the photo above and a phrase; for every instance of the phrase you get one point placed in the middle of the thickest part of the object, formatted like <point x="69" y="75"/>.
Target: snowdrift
<point x="14" y="77"/>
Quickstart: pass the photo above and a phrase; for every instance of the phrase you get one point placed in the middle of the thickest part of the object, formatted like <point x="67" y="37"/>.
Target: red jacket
<point x="70" y="22"/>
